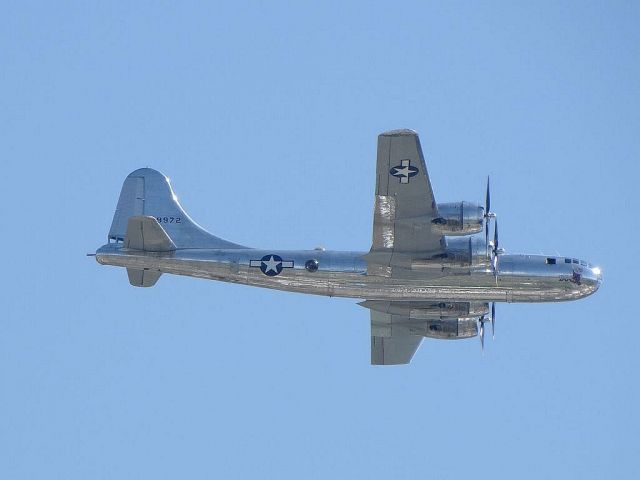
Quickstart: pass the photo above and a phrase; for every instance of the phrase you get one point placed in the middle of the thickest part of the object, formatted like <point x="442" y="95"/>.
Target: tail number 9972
<point x="169" y="219"/>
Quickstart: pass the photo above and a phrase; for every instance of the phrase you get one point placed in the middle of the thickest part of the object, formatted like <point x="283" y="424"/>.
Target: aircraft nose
<point x="597" y="272"/>
<point x="592" y="280"/>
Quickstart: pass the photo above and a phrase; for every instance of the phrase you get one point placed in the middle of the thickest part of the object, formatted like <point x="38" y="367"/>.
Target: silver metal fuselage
<point x="519" y="278"/>
<point x="430" y="272"/>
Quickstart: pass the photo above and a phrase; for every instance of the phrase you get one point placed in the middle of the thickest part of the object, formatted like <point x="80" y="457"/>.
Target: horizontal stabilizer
<point x="145" y="233"/>
<point x="143" y="278"/>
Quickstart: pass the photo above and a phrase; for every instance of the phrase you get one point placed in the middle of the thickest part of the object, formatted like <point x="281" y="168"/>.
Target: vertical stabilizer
<point x="147" y="192"/>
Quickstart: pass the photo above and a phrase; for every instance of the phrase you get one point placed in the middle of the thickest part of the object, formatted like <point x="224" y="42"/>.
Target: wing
<point x="391" y="342"/>
<point x="404" y="202"/>
<point x="397" y="328"/>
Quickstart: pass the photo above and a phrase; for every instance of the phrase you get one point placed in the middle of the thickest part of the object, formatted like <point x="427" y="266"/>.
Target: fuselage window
<point x="574" y="260"/>
<point x="311" y="265"/>
<point x="550" y="261"/>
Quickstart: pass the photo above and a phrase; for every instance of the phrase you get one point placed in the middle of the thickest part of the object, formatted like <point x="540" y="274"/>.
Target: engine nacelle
<point x="447" y="328"/>
<point x="459" y="218"/>
<point x="469" y="252"/>
<point x="429" y="310"/>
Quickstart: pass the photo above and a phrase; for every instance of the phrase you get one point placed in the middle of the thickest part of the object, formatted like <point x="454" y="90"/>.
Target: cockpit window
<point x="583" y="263"/>
<point x="567" y="260"/>
<point x="574" y="260"/>
<point x="550" y="261"/>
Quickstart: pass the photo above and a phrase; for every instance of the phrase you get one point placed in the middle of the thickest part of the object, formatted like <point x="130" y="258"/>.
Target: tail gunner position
<point x="426" y="275"/>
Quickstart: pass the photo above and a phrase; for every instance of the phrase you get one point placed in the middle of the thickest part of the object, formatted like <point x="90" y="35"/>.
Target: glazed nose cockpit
<point x="582" y="277"/>
<point x="593" y="274"/>
<point x="585" y="275"/>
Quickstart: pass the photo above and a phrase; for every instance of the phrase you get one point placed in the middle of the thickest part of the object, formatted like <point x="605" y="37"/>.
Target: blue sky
<point x="265" y="116"/>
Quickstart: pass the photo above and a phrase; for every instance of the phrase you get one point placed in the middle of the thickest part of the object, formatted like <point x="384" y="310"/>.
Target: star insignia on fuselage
<point x="271" y="265"/>
<point x="404" y="171"/>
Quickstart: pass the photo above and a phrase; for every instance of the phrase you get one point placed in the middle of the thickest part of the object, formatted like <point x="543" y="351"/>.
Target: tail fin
<point x="147" y="192"/>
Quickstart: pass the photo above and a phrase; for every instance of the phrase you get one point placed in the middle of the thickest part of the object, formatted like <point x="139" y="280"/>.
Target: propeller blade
<point x="493" y="320"/>
<point x="487" y="202"/>
<point x="482" y="333"/>
<point x="486" y="234"/>
<point x="495" y="236"/>
<point x="487" y="215"/>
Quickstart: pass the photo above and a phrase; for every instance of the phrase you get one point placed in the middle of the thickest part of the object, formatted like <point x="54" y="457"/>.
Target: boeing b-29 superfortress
<point x="426" y="275"/>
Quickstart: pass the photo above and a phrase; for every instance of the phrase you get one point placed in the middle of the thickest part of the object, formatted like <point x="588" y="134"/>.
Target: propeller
<point x="482" y="320"/>
<point x="493" y="250"/>
<point x="487" y="214"/>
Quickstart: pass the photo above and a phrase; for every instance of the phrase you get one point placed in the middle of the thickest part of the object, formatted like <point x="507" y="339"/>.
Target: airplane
<point x="429" y="272"/>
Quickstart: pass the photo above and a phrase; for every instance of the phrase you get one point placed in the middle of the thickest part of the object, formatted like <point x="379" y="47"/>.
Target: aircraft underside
<point x="346" y="276"/>
<point x="431" y="271"/>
